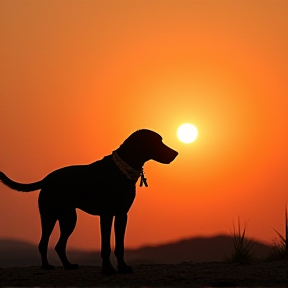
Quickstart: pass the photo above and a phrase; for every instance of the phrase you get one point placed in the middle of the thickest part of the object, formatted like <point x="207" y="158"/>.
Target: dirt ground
<point x="210" y="274"/>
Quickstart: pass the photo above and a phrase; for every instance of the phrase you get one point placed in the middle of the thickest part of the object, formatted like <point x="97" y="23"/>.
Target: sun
<point x="187" y="133"/>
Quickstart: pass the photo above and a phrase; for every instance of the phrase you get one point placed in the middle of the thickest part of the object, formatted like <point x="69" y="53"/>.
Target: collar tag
<point x="143" y="179"/>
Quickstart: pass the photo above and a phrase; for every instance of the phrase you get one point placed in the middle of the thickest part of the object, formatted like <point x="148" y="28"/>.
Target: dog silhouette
<point x="105" y="188"/>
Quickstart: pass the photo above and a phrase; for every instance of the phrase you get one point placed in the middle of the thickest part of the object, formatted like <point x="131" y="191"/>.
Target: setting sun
<point x="187" y="133"/>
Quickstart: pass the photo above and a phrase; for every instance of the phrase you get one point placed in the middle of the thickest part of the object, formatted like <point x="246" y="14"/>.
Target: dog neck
<point x="133" y="159"/>
<point x="129" y="171"/>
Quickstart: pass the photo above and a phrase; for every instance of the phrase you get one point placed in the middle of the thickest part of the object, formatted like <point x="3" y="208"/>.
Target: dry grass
<point x="280" y="247"/>
<point x="241" y="246"/>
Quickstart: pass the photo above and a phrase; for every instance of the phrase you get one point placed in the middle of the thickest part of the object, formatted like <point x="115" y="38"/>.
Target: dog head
<point x="144" y="145"/>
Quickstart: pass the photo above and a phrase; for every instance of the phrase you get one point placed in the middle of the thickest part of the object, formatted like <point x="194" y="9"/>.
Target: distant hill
<point x="15" y="253"/>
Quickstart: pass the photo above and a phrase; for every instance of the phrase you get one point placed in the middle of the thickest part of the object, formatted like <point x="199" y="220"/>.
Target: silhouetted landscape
<point x="199" y="249"/>
<point x="194" y="262"/>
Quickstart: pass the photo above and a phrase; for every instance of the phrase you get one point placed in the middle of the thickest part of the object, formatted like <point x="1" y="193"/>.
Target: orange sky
<point x="78" y="77"/>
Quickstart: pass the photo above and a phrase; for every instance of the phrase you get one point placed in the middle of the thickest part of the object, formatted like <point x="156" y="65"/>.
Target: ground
<point x="210" y="274"/>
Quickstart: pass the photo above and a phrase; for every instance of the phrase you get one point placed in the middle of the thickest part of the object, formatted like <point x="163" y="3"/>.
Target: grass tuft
<point x="279" y="249"/>
<point x="241" y="252"/>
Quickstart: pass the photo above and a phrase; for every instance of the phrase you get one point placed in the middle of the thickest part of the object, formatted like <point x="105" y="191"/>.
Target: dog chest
<point x="107" y="189"/>
<point x="110" y="201"/>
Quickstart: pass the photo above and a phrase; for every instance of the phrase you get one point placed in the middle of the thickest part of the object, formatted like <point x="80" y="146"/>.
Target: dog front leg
<point x="105" y="225"/>
<point x="120" y="227"/>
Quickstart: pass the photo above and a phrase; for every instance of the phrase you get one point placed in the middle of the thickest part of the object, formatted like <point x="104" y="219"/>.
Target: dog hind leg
<point x="47" y="222"/>
<point x="67" y="223"/>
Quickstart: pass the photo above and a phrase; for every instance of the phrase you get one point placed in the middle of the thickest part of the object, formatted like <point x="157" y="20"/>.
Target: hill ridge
<point x="197" y="249"/>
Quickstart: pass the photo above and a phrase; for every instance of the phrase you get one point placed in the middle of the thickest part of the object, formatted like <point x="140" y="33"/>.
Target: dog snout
<point x="166" y="155"/>
<point x="173" y="154"/>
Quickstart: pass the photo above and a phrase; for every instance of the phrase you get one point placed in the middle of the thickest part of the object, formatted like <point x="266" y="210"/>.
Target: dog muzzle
<point x="130" y="172"/>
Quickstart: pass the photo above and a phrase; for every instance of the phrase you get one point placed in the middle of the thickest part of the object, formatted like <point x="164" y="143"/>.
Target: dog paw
<point x="125" y="269"/>
<point x="47" y="267"/>
<point x="108" y="269"/>
<point x="71" y="267"/>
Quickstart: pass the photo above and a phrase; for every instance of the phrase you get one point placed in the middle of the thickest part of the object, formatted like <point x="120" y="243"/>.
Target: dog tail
<point x="19" y="186"/>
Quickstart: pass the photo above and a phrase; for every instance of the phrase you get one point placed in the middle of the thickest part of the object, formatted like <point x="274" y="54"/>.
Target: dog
<point x="105" y="188"/>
